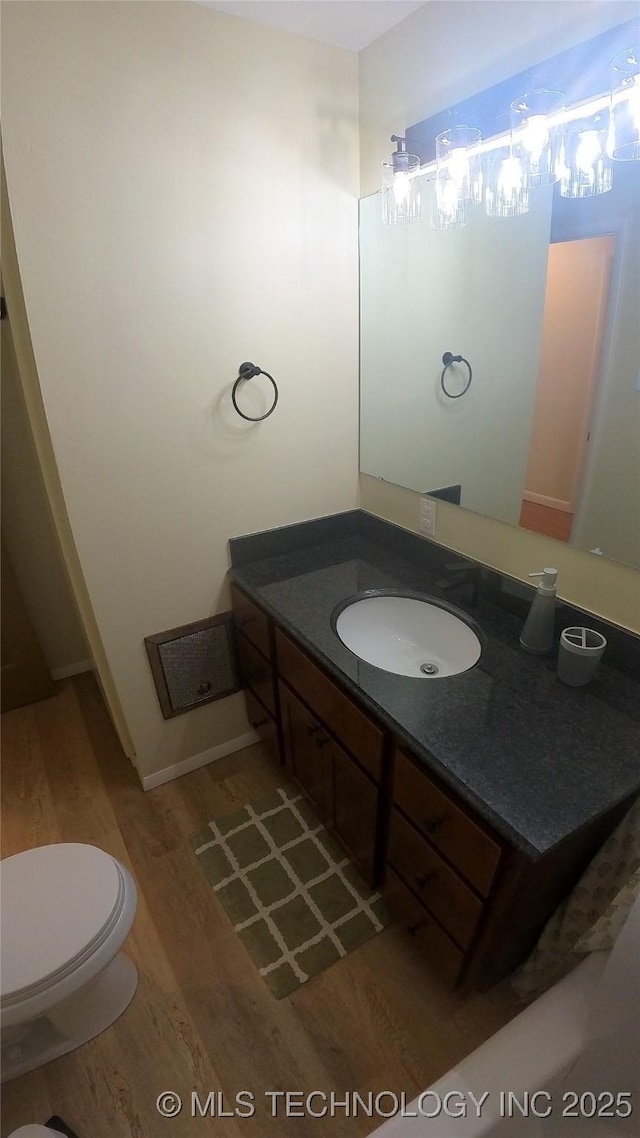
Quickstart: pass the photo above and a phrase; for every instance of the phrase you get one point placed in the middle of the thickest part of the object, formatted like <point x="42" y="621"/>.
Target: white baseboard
<point x="545" y="500"/>
<point x="201" y="760"/>
<point x="67" y="670"/>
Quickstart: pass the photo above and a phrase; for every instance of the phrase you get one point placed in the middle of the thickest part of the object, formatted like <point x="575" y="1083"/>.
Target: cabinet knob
<point x="413" y="930"/>
<point x="432" y="825"/>
<point x="321" y="741"/>
<point x="204" y="687"/>
<point x="314" y="730"/>
<point x="426" y="878"/>
<point x="255" y="723"/>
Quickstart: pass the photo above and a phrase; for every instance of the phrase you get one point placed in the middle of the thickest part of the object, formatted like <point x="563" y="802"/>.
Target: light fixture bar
<point x="587" y="107"/>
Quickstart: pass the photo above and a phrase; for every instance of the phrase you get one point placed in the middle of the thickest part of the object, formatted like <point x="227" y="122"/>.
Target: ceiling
<point x="347" y="23"/>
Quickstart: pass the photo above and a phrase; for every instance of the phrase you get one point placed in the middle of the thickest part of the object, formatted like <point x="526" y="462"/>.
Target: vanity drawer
<point x="256" y="673"/>
<point x="445" y="956"/>
<point x="251" y="621"/>
<point x="456" y="906"/>
<point x="344" y="719"/>
<point x="447" y="826"/>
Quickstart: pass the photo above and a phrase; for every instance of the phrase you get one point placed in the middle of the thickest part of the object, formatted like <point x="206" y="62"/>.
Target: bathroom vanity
<point x="474" y="801"/>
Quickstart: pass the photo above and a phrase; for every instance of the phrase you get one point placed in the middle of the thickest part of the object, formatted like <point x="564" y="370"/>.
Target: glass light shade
<point x="625" y="105"/>
<point x="401" y="188"/>
<point x="507" y="184"/>
<point x="458" y="174"/>
<point x="448" y="212"/>
<point x="584" y="165"/>
<point x="533" y="137"/>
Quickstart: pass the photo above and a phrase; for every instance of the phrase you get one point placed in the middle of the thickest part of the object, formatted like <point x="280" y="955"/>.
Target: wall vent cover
<point x="194" y="664"/>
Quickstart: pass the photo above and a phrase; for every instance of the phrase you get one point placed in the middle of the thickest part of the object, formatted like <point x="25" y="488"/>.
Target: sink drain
<point x="429" y="669"/>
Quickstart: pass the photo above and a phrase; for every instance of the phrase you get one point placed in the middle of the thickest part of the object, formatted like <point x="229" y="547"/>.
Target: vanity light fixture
<point x="577" y="145"/>
<point x="534" y="134"/>
<point x="584" y="164"/>
<point x="625" y="105"/>
<point x="507" y="190"/>
<point x="458" y="175"/>
<point x="400" y="185"/>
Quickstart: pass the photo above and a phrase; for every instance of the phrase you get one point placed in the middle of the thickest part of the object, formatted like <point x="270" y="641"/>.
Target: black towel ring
<point x="448" y="359"/>
<point x="248" y="371"/>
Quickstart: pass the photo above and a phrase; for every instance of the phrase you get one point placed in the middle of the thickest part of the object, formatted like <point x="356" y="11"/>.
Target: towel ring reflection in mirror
<point x="448" y="359"/>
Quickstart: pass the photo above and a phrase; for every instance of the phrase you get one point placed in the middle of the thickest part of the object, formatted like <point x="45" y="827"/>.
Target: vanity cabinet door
<point x="306" y="752"/>
<point x="355" y="810"/>
<point x="263" y="724"/>
<point x="342" y="715"/>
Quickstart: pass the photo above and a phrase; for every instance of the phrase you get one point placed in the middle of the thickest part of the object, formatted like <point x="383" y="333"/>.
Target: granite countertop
<point x="536" y="759"/>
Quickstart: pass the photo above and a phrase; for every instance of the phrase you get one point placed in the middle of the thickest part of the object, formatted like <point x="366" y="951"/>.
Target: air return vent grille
<point x="193" y="664"/>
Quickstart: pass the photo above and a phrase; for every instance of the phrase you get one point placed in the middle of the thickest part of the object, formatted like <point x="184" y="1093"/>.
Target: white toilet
<point x="66" y="911"/>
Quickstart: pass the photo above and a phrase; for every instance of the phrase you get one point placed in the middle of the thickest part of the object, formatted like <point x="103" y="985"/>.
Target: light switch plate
<point x="428" y="517"/>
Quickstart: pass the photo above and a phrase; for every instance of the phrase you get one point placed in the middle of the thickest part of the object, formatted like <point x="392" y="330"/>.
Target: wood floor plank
<point x="28" y="815"/>
<point x="202" y="1018"/>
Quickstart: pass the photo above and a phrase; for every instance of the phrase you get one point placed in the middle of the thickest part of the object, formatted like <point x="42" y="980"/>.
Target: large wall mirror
<point x="545" y="307"/>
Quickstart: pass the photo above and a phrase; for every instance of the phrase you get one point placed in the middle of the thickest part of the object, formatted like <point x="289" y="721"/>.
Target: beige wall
<point x="28" y="529"/>
<point x="444" y="52"/>
<point x="183" y="187"/>
<point x="27" y="374"/>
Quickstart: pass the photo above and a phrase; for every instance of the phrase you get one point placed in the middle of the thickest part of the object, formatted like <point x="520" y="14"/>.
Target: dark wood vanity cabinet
<point x="448" y="826"/>
<point x="255" y="658"/>
<point x="251" y="622"/>
<point x="442" y="866"/>
<point x="305" y="746"/>
<point x="355" y="810"/>
<point x="345" y="798"/>
<point x="439" y="949"/>
<point x="472" y="901"/>
<point x="329" y="746"/>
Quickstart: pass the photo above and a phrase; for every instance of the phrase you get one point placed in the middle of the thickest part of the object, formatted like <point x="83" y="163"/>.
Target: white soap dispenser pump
<point x="539" y="628"/>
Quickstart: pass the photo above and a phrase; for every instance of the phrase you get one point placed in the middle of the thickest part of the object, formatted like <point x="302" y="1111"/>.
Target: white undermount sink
<point x="408" y="636"/>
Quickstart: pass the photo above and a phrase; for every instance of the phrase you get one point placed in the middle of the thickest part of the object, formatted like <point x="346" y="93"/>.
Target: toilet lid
<point x="57" y="904"/>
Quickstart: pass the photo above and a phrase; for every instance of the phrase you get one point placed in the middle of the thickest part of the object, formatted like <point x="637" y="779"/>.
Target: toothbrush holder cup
<point x="579" y="655"/>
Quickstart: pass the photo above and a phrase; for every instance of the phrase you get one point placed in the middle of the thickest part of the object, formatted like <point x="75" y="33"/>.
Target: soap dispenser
<point x="539" y="628"/>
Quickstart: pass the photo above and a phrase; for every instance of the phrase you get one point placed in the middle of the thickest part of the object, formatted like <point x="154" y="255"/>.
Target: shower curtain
<point x="593" y="914"/>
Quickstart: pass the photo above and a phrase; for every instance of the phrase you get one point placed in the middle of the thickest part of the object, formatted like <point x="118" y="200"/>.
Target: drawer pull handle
<point x="432" y="825"/>
<point x="204" y="688"/>
<point x="255" y="723"/>
<point x="426" y="878"/>
<point x="413" y="930"/>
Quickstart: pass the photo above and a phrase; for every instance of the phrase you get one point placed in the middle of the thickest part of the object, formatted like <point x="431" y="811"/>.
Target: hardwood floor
<point x="202" y="1018"/>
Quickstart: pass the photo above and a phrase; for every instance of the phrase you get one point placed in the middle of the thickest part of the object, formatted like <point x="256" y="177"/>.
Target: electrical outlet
<point x="428" y="517"/>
